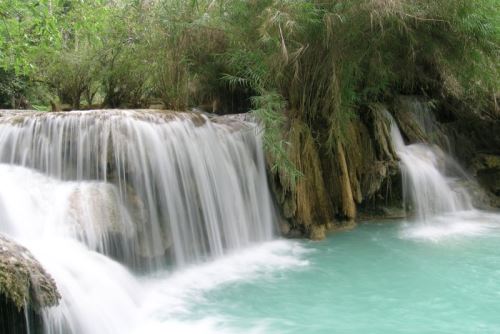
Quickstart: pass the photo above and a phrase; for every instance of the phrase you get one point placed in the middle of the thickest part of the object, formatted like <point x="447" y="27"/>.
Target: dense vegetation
<point x="316" y="61"/>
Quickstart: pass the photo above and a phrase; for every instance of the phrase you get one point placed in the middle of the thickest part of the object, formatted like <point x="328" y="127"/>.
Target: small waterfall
<point x="425" y="183"/>
<point x="420" y="113"/>
<point x="91" y="193"/>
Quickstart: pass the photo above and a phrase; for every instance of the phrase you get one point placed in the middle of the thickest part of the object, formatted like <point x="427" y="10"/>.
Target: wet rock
<point x="65" y="107"/>
<point x="480" y="197"/>
<point x="285" y="228"/>
<point x="344" y="226"/>
<point x="96" y="208"/>
<point x="487" y="171"/>
<point x="23" y="281"/>
<point x="318" y="232"/>
<point x="306" y="202"/>
<point x="198" y="120"/>
<point x="373" y="162"/>
<point x="147" y="251"/>
<point x="383" y="212"/>
<point x="403" y="112"/>
<point x="295" y="234"/>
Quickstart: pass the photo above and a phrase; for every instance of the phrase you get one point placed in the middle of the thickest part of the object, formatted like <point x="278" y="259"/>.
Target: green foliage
<point x="124" y="60"/>
<point x="269" y="107"/>
<point x="318" y="60"/>
<point x="27" y="28"/>
<point x="71" y="74"/>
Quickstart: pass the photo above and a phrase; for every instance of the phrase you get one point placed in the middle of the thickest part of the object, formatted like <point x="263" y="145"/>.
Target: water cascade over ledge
<point x="435" y="188"/>
<point x="424" y="184"/>
<point x="148" y="189"/>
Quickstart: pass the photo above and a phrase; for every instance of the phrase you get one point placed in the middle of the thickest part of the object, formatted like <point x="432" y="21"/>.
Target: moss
<point x="369" y="177"/>
<point x="491" y="161"/>
<point x="23" y="281"/>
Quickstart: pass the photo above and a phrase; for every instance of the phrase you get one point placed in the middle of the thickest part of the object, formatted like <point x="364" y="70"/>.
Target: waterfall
<point x="96" y="194"/>
<point x="425" y="184"/>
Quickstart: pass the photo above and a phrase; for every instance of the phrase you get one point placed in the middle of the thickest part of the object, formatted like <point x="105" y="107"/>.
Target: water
<point x="423" y="116"/>
<point x="175" y="186"/>
<point x="379" y="278"/>
<point x="163" y="223"/>
<point x="426" y="186"/>
<point x="105" y="198"/>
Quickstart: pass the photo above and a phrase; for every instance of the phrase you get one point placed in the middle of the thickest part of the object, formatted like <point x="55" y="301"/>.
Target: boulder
<point x="23" y="281"/>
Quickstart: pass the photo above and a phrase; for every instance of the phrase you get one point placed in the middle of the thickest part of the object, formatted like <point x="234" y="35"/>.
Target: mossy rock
<point x="23" y="281"/>
<point x="487" y="161"/>
<point x="487" y="170"/>
<point x="317" y="232"/>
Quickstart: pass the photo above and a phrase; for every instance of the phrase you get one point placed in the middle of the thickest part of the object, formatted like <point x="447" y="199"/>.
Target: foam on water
<point x="171" y="296"/>
<point x="454" y="225"/>
<point x="173" y="293"/>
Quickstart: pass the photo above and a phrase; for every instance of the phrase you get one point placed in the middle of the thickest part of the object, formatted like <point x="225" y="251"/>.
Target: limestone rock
<point x="23" y="281"/>
<point x="318" y="232"/>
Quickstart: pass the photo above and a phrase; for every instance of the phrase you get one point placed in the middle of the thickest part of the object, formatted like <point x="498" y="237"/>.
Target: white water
<point x="87" y="190"/>
<point x="425" y="185"/>
<point x="432" y="188"/>
<point x="191" y="187"/>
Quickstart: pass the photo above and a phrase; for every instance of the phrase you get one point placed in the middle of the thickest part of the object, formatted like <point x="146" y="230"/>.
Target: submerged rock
<point x="23" y="281"/>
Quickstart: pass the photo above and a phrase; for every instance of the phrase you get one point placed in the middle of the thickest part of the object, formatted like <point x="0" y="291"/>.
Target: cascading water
<point x="433" y="188"/>
<point x="121" y="207"/>
<point x="188" y="186"/>
<point x="149" y="189"/>
<point x="429" y="190"/>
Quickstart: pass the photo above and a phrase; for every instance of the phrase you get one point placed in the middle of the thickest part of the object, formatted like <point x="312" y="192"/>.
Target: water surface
<point x="379" y="278"/>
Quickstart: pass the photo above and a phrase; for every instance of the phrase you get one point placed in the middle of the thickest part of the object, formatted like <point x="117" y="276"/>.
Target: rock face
<point x="486" y="169"/>
<point x="476" y="143"/>
<point x="308" y="201"/>
<point x="357" y="177"/>
<point x="22" y="279"/>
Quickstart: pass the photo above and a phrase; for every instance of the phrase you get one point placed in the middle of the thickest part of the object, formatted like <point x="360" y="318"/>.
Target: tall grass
<point x="327" y="58"/>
